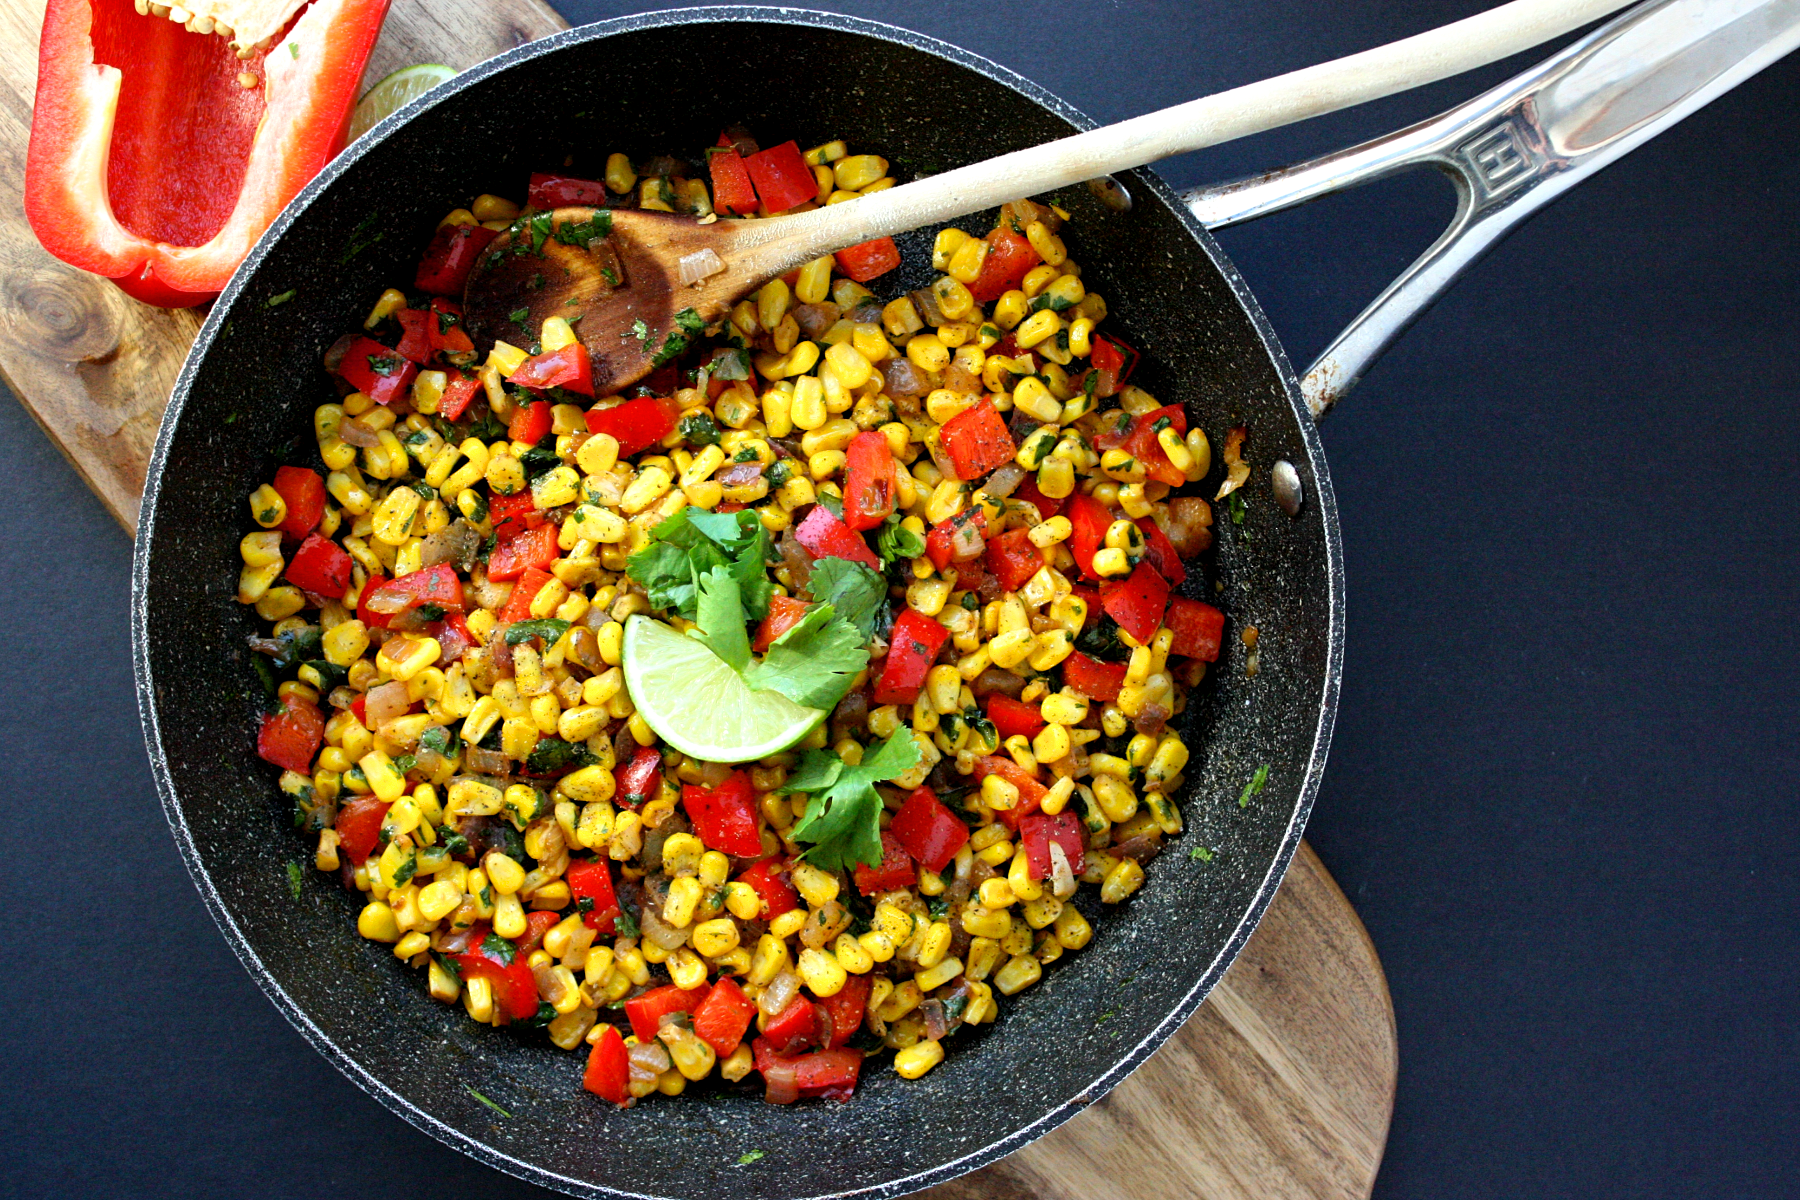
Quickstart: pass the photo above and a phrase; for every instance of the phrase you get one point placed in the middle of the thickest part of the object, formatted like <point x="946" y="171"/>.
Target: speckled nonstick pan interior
<point x="252" y="381"/>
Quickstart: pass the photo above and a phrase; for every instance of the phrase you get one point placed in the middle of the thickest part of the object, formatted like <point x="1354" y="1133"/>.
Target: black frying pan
<point x="253" y="379"/>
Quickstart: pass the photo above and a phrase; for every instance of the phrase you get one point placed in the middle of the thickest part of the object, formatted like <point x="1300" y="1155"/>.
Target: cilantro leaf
<point x="852" y="589"/>
<point x="1256" y="781"/>
<point x="554" y="754"/>
<point x="580" y="233"/>
<point x="500" y="948"/>
<point x="294" y="878"/>
<point x="813" y="663"/>
<point x="894" y="541"/>
<point x="548" y="628"/>
<point x="843" y="810"/>
<point x="693" y="542"/>
<point x="721" y="619"/>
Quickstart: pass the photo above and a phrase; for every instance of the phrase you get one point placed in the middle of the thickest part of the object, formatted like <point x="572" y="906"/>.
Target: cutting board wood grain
<point x="1282" y="1084"/>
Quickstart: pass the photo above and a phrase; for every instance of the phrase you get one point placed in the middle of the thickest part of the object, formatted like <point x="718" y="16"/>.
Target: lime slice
<point x="702" y="707"/>
<point x="392" y="93"/>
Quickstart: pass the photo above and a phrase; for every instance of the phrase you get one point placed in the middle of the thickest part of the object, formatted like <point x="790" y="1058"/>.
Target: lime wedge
<point x="699" y="705"/>
<point x="392" y="93"/>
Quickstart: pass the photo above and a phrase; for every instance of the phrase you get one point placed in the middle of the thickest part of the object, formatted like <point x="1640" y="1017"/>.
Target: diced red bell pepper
<point x="290" y="738"/>
<point x="912" y="647"/>
<point x="1012" y="559"/>
<point x="1088" y="521"/>
<point x="1031" y="792"/>
<point x="724" y="1016"/>
<point x="368" y="616"/>
<point x="830" y="1074"/>
<point x="641" y="779"/>
<point x="537" y="924"/>
<point x="1093" y="678"/>
<point x="846" y="1009"/>
<point x="608" y="1073"/>
<point x="453" y="637"/>
<point x="866" y="260"/>
<point x="725" y="817"/>
<point x="871" y="486"/>
<point x="1090" y="599"/>
<point x="977" y="441"/>
<point x="304" y="494"/>
<point x="635" y="424"/>
<point x="514" y="514"/>
<point x="593" y="881"/>
<point x="569" y="368"/>
<point x="381" y="374"/>
<point x="929" y="831"/>
<point x="1113" y="360"/>
<point x="1028" y="492"/>
<point x="515" y="990"/>
<point x="563" y="191"/>
<point x="152" y="165"/>
<point x="782" y="178"/>
<point x="959" y="539"/>
<point x="320" y="566"/>
<point x="437" y="585"/>
<point x="518" y="605"/>
<point x="415" y="335"/>
<point x="1139" y="439"/>
<point x="459" y="393"/>
<point x="358" y="827"/>
<point x="454" y="249"/>
<point x="784" y="613"/>
<point x="646" y="1012"/>
<point x="778" y="895"/>
<point x="1039" y="830"/>
<point x="1160" y="553"/>
<point x="532" y="548"/>
<point x="1013" y="718"/>
<point x="827" y="537"/>
<point x="530" y="422"/>
<point x="733" y="193"/>
<point x="445" y="329"/>
<point x="793" y="1028"/>
<point x="1009" y="257"/>
<point x="1136" y="602"/>
<point x="1198" y="628"/>
<point x="894" y="871"/>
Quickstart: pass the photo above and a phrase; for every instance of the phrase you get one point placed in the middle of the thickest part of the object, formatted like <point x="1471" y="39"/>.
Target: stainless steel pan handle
<point x="1514" y="149"/>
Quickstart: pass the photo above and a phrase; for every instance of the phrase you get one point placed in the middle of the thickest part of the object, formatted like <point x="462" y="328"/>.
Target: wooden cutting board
<point x="1282" y="1084"/>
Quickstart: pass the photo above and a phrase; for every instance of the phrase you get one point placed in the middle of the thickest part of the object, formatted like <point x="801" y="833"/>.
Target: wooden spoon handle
<point x="1309" y="92"/>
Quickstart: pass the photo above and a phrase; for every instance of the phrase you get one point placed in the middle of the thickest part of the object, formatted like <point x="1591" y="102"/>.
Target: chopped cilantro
<point x="893" y="541"/>
<point x="385" y="364"/>
<point x="607" y="273"/>
<point x="1254" y="786"/>
<point x="641" y="331"/>
<point x="1235" y="503"/>
<point x="700" y="429"/>
<point x="1200" y="854"/>
<point x="279" y="298"/>
<point x="539" y="460"/>
<point x="690" y="321"/>
<point x="745" y="1160"/>
<point x="500" y="948"/>
<point x="519" y="316"/>
<point x="733" y="364"/>
<point x="580" y="233"/>
<point x="626" y="925"/>
<point x="486" y="1101"/>
<point x="554" y="754"/>
<point x="548" y="628"/>
<point x="294" y="876"/>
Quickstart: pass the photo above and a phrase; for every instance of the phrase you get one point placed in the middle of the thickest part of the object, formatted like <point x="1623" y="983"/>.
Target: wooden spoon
<point x="627" y="293"/>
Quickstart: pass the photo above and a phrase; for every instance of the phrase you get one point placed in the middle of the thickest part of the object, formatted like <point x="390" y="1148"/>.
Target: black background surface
<point x="1561" y="790"/>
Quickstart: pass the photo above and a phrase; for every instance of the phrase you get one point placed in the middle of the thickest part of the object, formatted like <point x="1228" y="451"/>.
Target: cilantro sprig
<point x="693" y="542"/>
<point x="843" y="809"/>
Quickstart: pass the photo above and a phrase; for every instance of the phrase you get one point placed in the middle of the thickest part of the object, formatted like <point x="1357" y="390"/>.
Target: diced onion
<point x="701" y="264"/>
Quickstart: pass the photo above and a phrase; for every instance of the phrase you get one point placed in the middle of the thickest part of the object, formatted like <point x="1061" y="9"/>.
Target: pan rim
<point x="1323" y="495"/>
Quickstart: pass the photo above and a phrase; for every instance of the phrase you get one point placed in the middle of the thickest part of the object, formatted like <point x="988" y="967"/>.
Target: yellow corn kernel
<point x="683" y="900"/>
<point x="620" y="178"/>
<point x="824" y="155"/>
<point x="376" y="923"/>
<point x="391" y="301"/>
<point x="966" y="260"/>
<point x="927" y="352"/>
<point x="918" y="1058"/>
<point x="822" y="973"/>
<point x="715" y="937"/>
<point x="267" y="508"/>
<point x="934" y="945"/>
<point x="857" y="171"/>
<point x="1019" y="973"/>
<point x="742" y="901"/>
<point x="938" y="974"/>
<point x="816" y="887"/>
<point x="1072" y="929"/>
<point x="770" y="959"/>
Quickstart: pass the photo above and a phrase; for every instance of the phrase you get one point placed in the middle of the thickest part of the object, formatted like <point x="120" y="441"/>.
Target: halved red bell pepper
<point x="646" y="1012"/>
<point x="515" y="990"/>
<point x="845" y="1009"/>
<point x="1093" y="678"/>
<point x="912" y="647"/>
<point x="451" y="255"/>
<point x="1009" y="257"/>
<point x="894" y="871"/>
<point x="782" y="178"/>
<point x="1038" y="830"/>
<point x="636" y="423"/>
<point x="871" y="485"/>
<point x="382" y="374"/>
<point x="866" y="260"/>
<point x="291" y="737"/>
<point x="1031" y="792"/>
<point x="569" y="368"/>
<point x="1088" y="520"/>
<point x="959" y="539"/>
<point x="1198" y="628"/>
<point x="929" y="831"/>
<point x="320" y="566"/>
<point x="608" y="1073"/>
<point x="529" y="422"/>
<point x="793" y="1028"/>
<point x="533" y="548"/>
<point x="733" y="193"/>
<point x="358" y="827"/>
<point x="784" y="613"/>
<point x="151" y="164"/>
<point x="563" y="191"/>
<point x="304" y="494"/>
<point x="518" y="605"/>
<point x="1160" y="553"/>
<point x="977" y="441"/>
<point x="767" y="877"/>
<point x="593" y="881"/>
<point x="725" y="817"/>
<point x="1013" y="718"/>
<point x="827" y="537"/>
<point x="1012" y="559"/>
<point x="459" y="393"/>
<point x="642" y="777"/>
<point x="1136" y="602"/>
<point x="415" y="334"/>
<point x="514" y="514"/>
<point x="722" y="1019"/>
